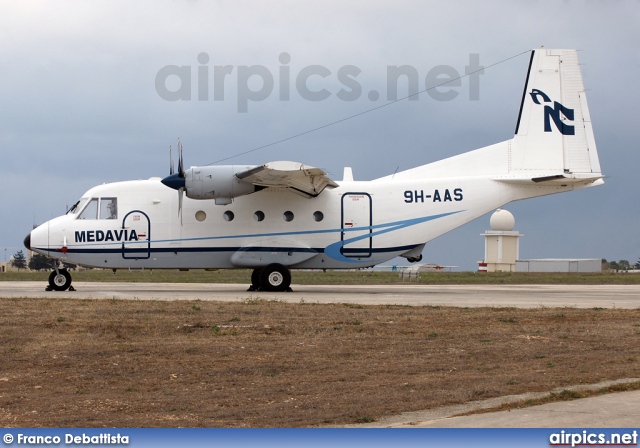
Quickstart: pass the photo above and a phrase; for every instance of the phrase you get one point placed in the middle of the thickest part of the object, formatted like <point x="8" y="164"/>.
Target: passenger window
<point x="91" y="210"/>
<point x="108" y="208"/>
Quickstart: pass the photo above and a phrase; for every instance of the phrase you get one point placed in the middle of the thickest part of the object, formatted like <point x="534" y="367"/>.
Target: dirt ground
<point x="114" y="363"/>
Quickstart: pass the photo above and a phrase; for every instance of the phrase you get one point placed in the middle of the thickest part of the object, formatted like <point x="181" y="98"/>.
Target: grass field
<point x="258" y="363"/>
<point x="335" y="277"/>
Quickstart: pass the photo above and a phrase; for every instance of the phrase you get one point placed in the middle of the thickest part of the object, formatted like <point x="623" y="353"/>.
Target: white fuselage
<point x="358" y="224"/>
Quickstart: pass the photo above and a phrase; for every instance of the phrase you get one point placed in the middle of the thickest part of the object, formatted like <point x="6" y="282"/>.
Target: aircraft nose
<point x="27" y="241"/>
<point x="174" y="181"/>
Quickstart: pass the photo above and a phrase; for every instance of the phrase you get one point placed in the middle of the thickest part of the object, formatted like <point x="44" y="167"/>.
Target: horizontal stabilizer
<point x="553" y="179"/>
<point x="302" y="179"/>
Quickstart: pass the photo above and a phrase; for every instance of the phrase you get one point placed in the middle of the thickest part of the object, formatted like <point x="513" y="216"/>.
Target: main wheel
<point x="275" y="278"/>
<point x="255" y="280"/>
<point x="60" y="281"/>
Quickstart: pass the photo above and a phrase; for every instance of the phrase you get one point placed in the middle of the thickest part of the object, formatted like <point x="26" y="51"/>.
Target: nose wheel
<point x="60" y="280"/>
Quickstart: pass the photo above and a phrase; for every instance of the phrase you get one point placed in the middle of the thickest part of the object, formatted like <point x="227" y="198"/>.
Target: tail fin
<point x="553" y="144"/>
<point x="554" y="139"/>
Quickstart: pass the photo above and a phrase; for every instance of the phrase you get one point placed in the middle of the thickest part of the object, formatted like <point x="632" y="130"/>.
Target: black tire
<point x="60" y="281"/>
<point x="255" y="279"/>
<point x="275" y="278"/>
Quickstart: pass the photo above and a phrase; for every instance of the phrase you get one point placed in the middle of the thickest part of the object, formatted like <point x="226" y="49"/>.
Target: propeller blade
<point x="171" y="170"/>
<point x="180" y="163"/>
<point x="180" y="193"/>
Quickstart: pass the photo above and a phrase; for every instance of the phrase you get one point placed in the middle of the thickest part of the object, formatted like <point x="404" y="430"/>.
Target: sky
<point x="96" y="92"/>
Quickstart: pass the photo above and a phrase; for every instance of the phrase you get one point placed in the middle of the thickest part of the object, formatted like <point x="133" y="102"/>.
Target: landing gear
<point x="255" y="280"/>
<point x="273" y="278"/>
<point x="60" y="280"/>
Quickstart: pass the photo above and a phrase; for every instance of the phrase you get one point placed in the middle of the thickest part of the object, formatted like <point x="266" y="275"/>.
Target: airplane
<point x="415" y="270"/>
<point x="430" y="267"/>
<point x="284" y="215"/>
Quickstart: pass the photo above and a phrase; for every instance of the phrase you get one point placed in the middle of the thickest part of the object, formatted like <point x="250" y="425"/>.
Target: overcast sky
<point x="81" y="106"/>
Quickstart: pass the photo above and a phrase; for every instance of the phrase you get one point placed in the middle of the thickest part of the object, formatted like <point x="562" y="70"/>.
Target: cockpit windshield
<point x="108" y="208"/>
<point x="97" y="208"/>
<point x="75" y="208"/>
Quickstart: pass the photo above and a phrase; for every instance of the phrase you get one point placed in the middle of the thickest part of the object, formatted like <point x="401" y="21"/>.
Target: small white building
<point x="501" y="244"/>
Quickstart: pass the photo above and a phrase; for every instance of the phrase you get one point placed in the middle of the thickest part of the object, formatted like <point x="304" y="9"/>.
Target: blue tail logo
<point x="553" y="113"/>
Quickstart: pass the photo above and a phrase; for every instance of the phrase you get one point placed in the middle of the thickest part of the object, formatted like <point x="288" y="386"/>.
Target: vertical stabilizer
<point x="554" y="137"/>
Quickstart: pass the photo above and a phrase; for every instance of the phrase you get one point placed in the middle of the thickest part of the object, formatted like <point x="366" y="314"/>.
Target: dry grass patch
<point x="93" y="363"/>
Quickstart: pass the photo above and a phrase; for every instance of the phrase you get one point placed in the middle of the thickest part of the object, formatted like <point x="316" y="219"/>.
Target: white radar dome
<point x="502" y="220"/>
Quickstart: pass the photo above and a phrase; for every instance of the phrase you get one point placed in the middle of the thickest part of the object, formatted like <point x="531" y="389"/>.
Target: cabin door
<point x="137" y="244"/>
<point x="357" y="218"/>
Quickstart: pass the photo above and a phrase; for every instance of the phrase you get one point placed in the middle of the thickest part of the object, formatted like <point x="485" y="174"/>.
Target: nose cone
<point x="27" y="241"/>
<point x="174" y="181"/>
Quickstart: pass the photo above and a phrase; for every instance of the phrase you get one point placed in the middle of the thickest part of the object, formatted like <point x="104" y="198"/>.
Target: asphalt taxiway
<point x="520" y="296"/>
<point x="614" y="410"/>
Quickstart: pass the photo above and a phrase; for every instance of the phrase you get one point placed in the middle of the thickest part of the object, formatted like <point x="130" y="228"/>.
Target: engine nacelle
<point x="217" y="182"/>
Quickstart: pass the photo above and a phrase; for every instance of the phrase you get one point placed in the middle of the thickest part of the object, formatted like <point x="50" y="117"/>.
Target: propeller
<point x="181" y="176"/>
<point x="176" y="180"/>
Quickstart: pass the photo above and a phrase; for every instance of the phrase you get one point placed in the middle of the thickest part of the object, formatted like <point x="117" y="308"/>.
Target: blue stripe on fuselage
<point x="332" y="250"/>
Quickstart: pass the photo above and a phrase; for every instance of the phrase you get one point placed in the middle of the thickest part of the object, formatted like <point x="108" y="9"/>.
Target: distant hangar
<point x="559" y="265"/>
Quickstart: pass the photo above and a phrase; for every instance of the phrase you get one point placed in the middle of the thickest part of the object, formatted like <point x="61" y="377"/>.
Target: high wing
<point x="302" y="179"/>
<point x="226" y="182"/>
